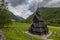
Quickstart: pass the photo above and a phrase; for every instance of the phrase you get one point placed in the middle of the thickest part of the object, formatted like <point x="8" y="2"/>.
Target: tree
<point x="5" y="17"/>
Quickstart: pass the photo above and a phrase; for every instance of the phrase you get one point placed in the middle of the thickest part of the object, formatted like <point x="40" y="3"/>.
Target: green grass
<point x="55" y="33"/>
<point x="16" y="32"/>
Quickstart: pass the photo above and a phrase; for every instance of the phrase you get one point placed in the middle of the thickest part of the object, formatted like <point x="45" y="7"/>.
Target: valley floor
<point x="16" y="32"/>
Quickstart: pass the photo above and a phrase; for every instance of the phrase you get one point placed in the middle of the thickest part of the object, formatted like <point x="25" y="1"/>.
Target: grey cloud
<point x="34" y="4"/>
<point x="44" y="2"/>
<point x="17" y="2"/>
<point x="53" y="5"/>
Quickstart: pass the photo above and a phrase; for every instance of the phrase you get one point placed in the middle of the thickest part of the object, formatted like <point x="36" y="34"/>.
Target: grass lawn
<point x="16" y="32"/>
<point x="55" y="32"/>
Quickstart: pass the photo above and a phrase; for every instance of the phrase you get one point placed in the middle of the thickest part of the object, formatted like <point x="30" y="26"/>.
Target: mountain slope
<point x="17" y="18"/>
<point x="50" y="15"/>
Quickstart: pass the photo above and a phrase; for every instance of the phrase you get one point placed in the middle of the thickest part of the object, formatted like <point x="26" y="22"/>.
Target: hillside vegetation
<point x="50" y="15"/>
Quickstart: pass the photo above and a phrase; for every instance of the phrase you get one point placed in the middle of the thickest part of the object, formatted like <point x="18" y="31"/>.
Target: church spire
<point x="38" y="26"/>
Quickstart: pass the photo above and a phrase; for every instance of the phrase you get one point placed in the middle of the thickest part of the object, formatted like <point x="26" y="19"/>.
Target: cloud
<point x="34" y="5"/>
<point x="25" y="8"/>
<point x="20" y="10"/>
<point x="53" y="3"/>
<point x="17" y="2"/>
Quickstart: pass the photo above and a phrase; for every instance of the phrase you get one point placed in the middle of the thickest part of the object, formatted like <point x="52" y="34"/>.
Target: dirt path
<point x="1" y="35"/>
<point x="44" y="37"/>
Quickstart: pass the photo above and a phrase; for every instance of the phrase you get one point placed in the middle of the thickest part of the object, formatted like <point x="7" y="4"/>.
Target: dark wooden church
<point x="38" y="26"/>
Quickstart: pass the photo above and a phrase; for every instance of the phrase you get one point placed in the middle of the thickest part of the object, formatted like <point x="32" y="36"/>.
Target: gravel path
<point x="44" y="37"/>
<point x="1" y="35"/>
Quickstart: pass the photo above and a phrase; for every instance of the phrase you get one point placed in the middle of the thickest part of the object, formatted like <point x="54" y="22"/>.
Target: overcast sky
<point x="25" y="8"/>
